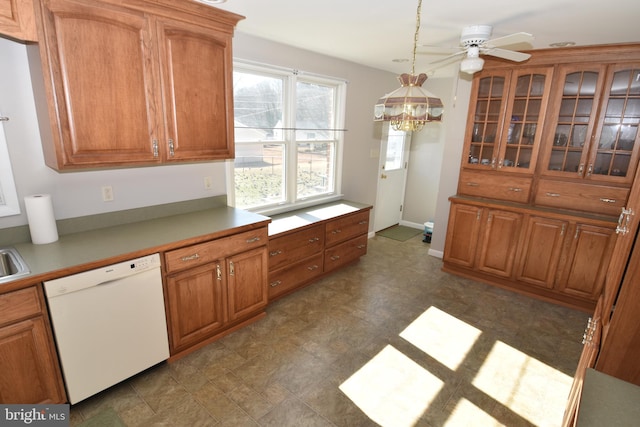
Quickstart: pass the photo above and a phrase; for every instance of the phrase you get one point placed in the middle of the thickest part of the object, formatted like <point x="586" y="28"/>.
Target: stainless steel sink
<point x="12" y="265"/>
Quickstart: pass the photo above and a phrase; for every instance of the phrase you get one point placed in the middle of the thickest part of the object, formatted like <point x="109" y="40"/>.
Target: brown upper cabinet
<point x="593" y="129"/>
<point x="140" y="84"/>
<point x="17" y="20"/>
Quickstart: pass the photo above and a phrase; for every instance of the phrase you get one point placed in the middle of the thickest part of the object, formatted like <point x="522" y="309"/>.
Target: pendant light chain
<point x="415" y="38"/>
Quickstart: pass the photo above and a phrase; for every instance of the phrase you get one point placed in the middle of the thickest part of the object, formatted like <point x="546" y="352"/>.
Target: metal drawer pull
<point x="253" y="239"/>
<point x="190" y="257"/>
<point x="516" y="189"/>
<point x="274" y="284"/>
<point x="335" y="257"/>
<point x="363" y="222"/>
<point x="553" y="194"/>
<point x="362" y="246"/>
<point x="473" y="184"/>
<point x="313" y="267"/>
<point x="336" y="231"/>
<point x="274" y="253"/>
<point x="315" y="239"/>
<point x="605" y="200"/>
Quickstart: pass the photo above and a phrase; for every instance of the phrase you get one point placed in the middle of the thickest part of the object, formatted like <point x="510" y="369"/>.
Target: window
<point x="288" y="138"/>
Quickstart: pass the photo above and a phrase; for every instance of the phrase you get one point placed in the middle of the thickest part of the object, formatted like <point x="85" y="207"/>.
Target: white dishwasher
<point x="109" y="324"/>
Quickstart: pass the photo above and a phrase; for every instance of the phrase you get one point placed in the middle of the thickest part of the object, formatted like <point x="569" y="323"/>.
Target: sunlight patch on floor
<point x="442" y="336"/>
<point x="392" y="389"/>
<point x="466" y="413"/>
<point x="518" y="381"/>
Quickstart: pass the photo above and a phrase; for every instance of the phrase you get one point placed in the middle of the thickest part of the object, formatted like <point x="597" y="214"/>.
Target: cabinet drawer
<point x="285" y="279"/>
<point x="494" y="186"/>
<point x="345" y="228"/>
<point x="296" y="246"/>
<point x="194" y="255"/>
<point x="600" y="199"/>
<point x="344" y="253"/>
<point x="19" y="305"/>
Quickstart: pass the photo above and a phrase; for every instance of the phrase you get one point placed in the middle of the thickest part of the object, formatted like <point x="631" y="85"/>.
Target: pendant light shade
<point x="410" y="106"/>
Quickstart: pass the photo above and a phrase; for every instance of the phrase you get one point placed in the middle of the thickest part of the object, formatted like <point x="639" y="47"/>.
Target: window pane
<point x="315" y="112"/>
<point x="315" y="168"/>
<point x="258" y="107"/>
<point x="395" y="150"/>
<point x="259" y="174"/>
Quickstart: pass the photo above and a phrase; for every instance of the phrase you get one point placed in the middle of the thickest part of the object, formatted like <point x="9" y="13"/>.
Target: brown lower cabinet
<point x="300" y="255"/>
<point x="555" y="256"/>
<point x="28" y="360"/>
<point x="215" y="287"/>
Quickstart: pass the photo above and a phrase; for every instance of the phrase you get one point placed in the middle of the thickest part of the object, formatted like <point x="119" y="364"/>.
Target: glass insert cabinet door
<point x="508" y="112"/>
<point x="586" y="145"/>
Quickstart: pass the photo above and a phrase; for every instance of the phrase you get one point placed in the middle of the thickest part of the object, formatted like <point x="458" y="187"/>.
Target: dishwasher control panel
<point x="100" y="276"/>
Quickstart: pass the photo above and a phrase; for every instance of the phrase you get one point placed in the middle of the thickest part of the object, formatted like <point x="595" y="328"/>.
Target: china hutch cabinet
<point x="549" y="159"/>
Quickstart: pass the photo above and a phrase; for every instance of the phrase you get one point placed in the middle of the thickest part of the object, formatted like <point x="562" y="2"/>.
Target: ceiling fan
<point x="474" y="42"/>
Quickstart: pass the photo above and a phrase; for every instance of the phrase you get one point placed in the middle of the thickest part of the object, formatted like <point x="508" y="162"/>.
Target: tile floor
<point x="389" y="341"/>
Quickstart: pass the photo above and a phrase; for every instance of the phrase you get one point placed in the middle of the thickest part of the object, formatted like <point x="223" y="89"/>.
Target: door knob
<point x="383" y="176"/>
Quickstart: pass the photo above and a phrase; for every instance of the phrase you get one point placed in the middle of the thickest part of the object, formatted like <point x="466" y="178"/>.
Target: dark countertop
<point x="608" y="401"/>
<point x="76" y="252"/>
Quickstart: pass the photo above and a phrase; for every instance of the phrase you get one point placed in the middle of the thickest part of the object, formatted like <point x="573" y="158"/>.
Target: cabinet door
<point x="30" y="373"/>
<point x="462" y="234"/>
<point x="587" y="260"/>
<point x="196" y="66"/>
<point x="541" y="248"/>
<point x="486" y="117"/>
<point x="247" y="283"/>
<point x="196" y="300"/>
<point x="99" y="69"/>
<point x="499" y="242"/>
<point x="573" y="117"/>
<point x="17" y="20"/>
<point x="615" y="150"/>
<point x="526" y="108"/>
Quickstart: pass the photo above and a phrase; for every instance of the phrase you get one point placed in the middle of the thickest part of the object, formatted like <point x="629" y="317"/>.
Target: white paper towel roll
<point x="42" y="222"/>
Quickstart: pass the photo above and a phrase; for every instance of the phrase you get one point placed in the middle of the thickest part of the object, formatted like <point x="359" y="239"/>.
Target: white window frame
<point x="291" y="77"/>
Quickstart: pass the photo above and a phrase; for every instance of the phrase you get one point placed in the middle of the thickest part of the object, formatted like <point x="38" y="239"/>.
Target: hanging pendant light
<point x="409" y="107"/>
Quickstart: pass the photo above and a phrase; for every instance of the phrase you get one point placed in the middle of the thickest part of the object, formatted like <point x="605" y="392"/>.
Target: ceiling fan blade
<point x="514" y="38"/>
<point x="511" y="55"/>
<point x="448" y="59"/>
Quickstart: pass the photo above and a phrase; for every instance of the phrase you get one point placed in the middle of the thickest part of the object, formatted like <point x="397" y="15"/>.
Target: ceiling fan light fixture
<point x="409" y="107"/>
<point x="471" y="65"/>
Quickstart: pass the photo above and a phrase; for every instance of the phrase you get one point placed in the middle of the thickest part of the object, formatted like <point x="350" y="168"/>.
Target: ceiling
<point x="374" y="32"/>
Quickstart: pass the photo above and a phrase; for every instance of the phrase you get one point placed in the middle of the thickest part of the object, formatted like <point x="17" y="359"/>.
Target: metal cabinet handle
<point x="312" y="267"/>
<point x="253" y="240"/>
<point x="172" y="151"/>
<point x="274" y="253"/>
<point x="473" y="184"/>
<point x="552" y="194"/>
<point x="515" y="189"/>
<point x="313" y="240"/>
<point x="624" y="221"/>
<point x="274" y="284"/>
<point x="232" y="269"/>
<point x="363" y="222"/>
<point x="580" y="169"/>
<point x="361" y="246"/>
<point x="605" y="200"/>
<point x="218" y="272"/>
<point x="589" y="170"/>
<point x="190" y="257"/>
<point x="335" y="257"/>
<point x="154" y="146"/>
<point x="336" y="231"/>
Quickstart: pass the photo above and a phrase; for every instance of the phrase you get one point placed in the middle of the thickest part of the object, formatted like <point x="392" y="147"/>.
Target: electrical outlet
<point x="208" y="183"/>
<point x="107" y="193"/>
